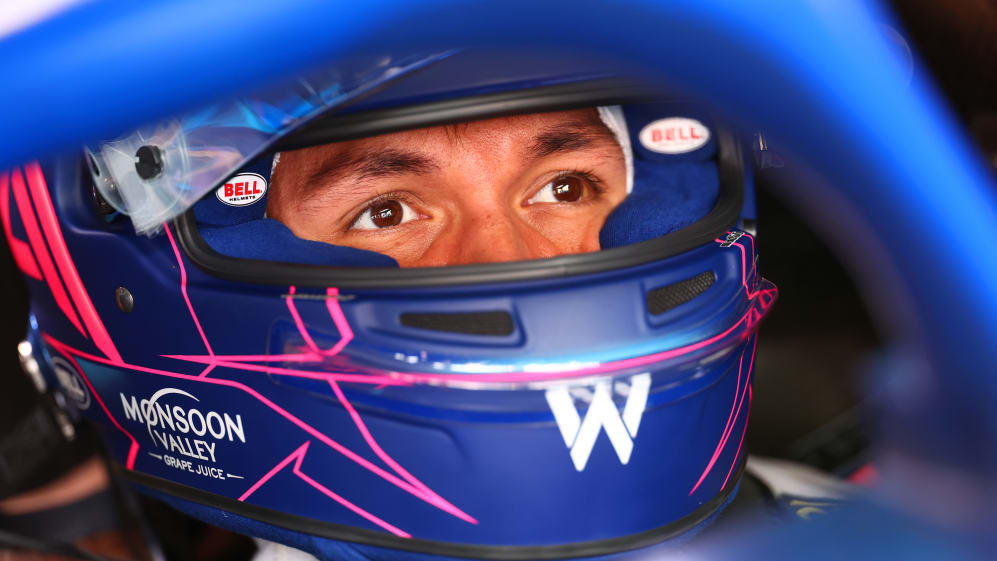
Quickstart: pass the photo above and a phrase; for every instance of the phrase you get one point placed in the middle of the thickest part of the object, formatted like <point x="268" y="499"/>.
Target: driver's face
<point x="504" y="189"/>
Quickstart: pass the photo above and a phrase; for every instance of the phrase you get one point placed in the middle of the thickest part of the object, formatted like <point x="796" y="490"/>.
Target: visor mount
<point x="148" y="161"/>
<point x="101" y="205"/>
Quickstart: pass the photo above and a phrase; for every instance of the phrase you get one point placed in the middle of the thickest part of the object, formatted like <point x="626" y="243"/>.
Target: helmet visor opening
<point x="548" y="192"/>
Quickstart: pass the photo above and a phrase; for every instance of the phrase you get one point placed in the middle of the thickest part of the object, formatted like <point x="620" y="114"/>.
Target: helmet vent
<point x="660" y="300"/>
<point x="496" y="323"/>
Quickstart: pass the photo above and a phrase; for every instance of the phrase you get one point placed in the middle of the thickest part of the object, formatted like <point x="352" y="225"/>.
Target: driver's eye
<point x="384" y="214"/>
<point x="563" y="189"/>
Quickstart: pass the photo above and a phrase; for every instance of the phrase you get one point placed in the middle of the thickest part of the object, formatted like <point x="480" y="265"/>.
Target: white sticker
<point x="242" y="190"/>
<point x="185" y="432"/>
<point x="581" y="433"/>
<point x="674" y="135"/>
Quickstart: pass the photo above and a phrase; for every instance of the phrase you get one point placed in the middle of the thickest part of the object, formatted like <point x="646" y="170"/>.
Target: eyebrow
<point x="393" y="162"/>
<point x="570" y="136"/>
<point x="368" y="165"/>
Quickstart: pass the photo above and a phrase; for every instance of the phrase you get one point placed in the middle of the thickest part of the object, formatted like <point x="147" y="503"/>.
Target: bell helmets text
<point x="242" y="190"/>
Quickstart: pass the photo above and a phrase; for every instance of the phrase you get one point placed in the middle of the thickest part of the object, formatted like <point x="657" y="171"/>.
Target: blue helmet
<point x="320" y="395"/>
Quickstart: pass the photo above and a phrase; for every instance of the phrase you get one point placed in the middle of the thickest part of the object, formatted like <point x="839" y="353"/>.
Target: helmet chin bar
<point x="220" y="437"/>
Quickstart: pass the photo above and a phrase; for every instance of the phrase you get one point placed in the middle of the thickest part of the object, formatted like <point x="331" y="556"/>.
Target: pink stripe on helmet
<point x="53" y="234"/>
<point x="41" y="252"/>
<point x="19" y="248"/>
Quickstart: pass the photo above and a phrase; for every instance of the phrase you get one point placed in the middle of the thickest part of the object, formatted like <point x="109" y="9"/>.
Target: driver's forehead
<point x="508" y="137"/>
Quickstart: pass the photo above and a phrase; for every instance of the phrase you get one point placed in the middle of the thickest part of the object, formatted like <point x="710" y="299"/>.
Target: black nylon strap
<point x="67" y="523"/>
<point x="10" y="540"/>
<point x="27" y="448"/>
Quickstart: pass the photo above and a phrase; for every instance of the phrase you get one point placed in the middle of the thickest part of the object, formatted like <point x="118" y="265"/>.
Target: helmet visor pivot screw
<point x="148" y="161"/>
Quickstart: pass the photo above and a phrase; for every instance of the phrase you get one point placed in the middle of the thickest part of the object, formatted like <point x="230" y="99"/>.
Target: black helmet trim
<point x="716" y="223"/>
<point x="296" y="523"/>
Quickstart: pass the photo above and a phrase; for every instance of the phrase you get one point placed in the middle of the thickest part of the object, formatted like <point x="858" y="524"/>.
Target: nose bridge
<point x="495" y="235"/>
<point x="490" y="227"/>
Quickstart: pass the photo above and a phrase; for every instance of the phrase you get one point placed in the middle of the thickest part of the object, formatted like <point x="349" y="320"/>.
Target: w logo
<point x="580" y="434"/>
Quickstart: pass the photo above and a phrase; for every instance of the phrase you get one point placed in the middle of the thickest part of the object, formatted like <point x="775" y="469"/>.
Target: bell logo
<point x="580" y="434"/>
<point x="242" y="190"/>
<point x="674" y="135"/>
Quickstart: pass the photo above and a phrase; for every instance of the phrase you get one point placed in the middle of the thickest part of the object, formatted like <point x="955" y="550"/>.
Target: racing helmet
<point x="323" y="397"/>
